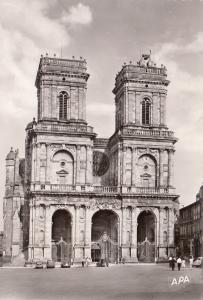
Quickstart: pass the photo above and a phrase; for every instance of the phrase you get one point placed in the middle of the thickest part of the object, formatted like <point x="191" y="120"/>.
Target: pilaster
<point x="78" y="164"/>
<point x="170" y="167"/>
<point x="134" y="235"/>
<point x="88" y="226"/>
<point x="89" y="166"/>
<point x="134" y="157"/>
<point x="161" y="152"/>
<point x="77" y="233"/>
<point x="48" y="233"/>
<point x="124" y="166"/>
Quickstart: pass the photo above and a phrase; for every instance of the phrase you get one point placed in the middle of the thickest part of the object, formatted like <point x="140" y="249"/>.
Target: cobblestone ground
<point x="116" y="282"/>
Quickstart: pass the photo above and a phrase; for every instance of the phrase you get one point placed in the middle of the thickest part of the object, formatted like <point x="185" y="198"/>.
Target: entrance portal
<point x="104" y="236"/>
<point x="146" y="237"/>
<point x="61" y="236"/>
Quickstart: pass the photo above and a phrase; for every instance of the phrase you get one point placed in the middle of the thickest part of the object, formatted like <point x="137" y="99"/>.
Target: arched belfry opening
<point x="146" y="236"/>
<point x="61" y="236"/>
<point x="104" y="236"/>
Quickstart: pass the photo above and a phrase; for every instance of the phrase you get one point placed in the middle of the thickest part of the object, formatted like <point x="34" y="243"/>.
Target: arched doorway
<point x="146" y="237"/>
<point x="61" y="236"/>
<point x="104" y="236"/>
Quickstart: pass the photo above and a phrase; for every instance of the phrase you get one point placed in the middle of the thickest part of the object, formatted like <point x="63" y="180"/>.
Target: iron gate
<point x="146" y="251"/>
<point x="61" y="251"/>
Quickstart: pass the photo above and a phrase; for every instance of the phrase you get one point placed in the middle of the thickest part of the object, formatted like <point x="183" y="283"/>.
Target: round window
<point x="63" y="163"/>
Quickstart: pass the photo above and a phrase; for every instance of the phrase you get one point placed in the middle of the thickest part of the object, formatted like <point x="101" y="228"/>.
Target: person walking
<point x="179" y="261"/>
<point x="191" y="261"/>
<point x="87" y="261"/>
<point x="170" y="260"/>
<point x="173" y="263"/>
<point x="183" y="263"/>
<point x="83" y="262"/>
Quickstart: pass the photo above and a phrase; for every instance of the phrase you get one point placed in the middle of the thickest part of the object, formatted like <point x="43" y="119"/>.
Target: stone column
<point x="161" y="227"/>
<point x="48" y="163"/>
<point x="31" y="233"/>
<point x="161" y="231"/>
<point x="119" y="165"/>
<point x="125" y="110"/>
<point x="134" y="235"/>
<point x="161" y="151"/>
<point x="88" y="227"/>
<point x="77" y="233"/>
<point x="171" y="226"/>
<point x="124" y="166"/>
<point x="89" y="166"/>
<point x="162" y="109"/>
<point x="38" y="162"/>
<point x="170" y="167"/>
<point x="137" y="109"/>
<point x="48" y="232"/>
<point x="33" y="166"/>
<point x="124" y="247"/>
<point x="134" y="166"/>
<point x="77" y="165"/>
<point x="156" y="114"/>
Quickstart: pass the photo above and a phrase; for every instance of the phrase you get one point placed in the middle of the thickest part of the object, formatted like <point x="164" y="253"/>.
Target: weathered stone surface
<point x="127" y="178"/>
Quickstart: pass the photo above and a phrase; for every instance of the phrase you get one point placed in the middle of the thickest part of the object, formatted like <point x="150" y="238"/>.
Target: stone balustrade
<point x="147" y="132"/>
<point x="76" y="128"/>
<point x="99" y="189"/>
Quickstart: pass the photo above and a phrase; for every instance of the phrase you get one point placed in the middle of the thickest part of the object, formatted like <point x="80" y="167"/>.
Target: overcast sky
<point x="107" y="33"/>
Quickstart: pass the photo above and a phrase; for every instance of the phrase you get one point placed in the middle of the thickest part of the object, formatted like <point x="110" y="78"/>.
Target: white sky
<point x="107" y="33"/>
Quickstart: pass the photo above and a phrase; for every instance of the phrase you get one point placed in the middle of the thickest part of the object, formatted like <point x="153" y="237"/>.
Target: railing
<point x="56" y="63"/>
<point x="131" y="70"/>
<point x="147" y="132"/>
<point x="62" y="188"/>
<point x="64" y="128"/>
<point x="100" y="189"/>
<point x="105" y="189"/>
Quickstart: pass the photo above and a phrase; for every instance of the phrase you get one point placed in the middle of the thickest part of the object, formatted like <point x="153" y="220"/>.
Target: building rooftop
<point x="56" y="65"/>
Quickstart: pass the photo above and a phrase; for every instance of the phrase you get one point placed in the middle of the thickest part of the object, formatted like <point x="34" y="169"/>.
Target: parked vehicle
<point x="50" y="264"/>
<point x="39" y="264"/>
<point x="198" y="262"/>
<point x="65" y="264"/>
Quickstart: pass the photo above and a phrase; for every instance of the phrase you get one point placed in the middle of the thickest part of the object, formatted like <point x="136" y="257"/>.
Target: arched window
<point x="146" y="111"/>
<point x="63" y="99"/>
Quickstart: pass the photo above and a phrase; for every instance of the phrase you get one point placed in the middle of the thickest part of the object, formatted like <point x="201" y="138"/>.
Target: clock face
<point x="100" y="163"/>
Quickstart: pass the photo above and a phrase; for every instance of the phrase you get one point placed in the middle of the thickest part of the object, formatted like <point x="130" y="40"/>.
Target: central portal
<point x="61" y="236"/>
<point x="104" y="236"/>
<point x="146" y="237"/>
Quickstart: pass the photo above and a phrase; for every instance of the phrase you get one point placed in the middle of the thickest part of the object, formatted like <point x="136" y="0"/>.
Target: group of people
<point x="86" y="261"/>
<point x="180" y="262"/>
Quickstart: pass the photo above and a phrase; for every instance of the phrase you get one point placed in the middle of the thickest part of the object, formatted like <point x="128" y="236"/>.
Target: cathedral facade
<point x="76" y="195"/>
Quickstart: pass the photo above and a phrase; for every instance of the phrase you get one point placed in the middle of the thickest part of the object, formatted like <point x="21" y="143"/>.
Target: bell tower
<point x="140" y="95"/>
<point x="61" y="90"/>
<point x="141" y="149"/>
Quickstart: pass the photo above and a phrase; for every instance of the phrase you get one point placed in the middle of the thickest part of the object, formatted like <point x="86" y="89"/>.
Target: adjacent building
<point x="191" y="228"/>
<point x="76" y="195"/>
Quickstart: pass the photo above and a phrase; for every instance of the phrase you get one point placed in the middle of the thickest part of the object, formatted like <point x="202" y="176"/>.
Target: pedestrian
<point x="183" y="263"/>
<point x="179" y="262"/>
<point x="191" y="261"/>
<point x="173" y="263"/>
<point x="170" y="259"/>
<point x="87" y="261"/>
<point x="83" y="262"/>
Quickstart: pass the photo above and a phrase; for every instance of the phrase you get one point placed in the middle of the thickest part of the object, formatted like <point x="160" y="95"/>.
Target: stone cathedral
<point x="76" y="195"/>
